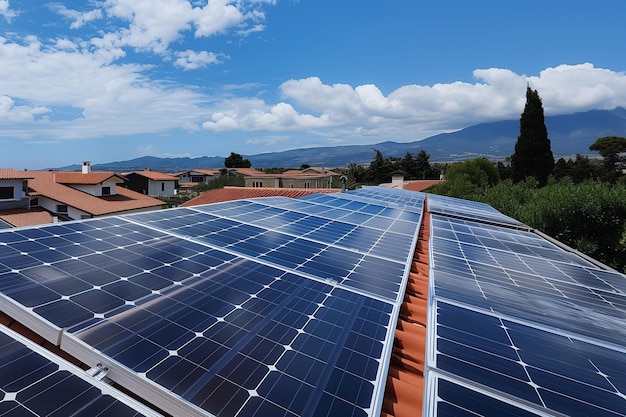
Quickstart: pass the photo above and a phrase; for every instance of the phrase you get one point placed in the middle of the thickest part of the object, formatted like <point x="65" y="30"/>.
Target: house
<point x="313" y="178"/>
<point x="197" y="176"/>
<point x="39" y="197"/>
<point x="152" y="183"/>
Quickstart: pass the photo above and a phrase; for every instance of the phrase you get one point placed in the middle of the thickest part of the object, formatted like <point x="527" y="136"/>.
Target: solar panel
<point x="34" y="382"/>
<point x="253" y="308"/>
<point x="471" y="210"/>
<point x="521" y="326"/>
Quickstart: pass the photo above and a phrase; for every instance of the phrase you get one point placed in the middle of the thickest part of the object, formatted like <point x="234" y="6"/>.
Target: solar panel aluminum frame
<point x="64" y="365"/>
<point x="32" y="321"/>
<point x="395" y="316"/>
<point x="165" y="400"/>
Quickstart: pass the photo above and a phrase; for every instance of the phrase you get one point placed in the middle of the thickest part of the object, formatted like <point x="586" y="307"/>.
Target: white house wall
<point x="155" y="188"/>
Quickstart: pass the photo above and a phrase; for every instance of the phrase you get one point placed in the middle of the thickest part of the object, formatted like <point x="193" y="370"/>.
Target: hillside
<point x="569" y="134"/>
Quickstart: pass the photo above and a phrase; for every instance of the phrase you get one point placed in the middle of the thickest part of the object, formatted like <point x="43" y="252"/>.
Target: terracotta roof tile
<point x="246" y="171"/>
<point x="25" y="217"/>
<point x="11" y="174"/>
<point x="238" y="193"/>
<point x="44" y="184"/>
<point x="156" y="176"/>
<point x="420" y="185"/>
<point x="91" y="178"/>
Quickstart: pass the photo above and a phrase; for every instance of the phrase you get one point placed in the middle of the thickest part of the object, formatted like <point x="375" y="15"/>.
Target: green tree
<point x="423" y="166"/>
<point x="235" y="160"/>
<point x="610" y="148"/>
<point x="408" y="164"/>
<point x="379" y="169"/>
<point x="468" y="179"/>
<point x="533" y="154"/>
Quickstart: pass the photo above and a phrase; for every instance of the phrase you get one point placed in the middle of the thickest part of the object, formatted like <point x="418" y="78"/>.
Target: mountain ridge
<point x="569" y="135"/>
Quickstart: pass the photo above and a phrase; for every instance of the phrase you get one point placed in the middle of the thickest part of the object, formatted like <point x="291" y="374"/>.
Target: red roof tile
<point x="11" y="174"/>
<point x="44" y="184"/>
<point x="420" y="185"/>
<point x="238" y="193"/>
<point x="91" y="178"/>
<point x="156" y="176"/>
<point x="25" y="217"/>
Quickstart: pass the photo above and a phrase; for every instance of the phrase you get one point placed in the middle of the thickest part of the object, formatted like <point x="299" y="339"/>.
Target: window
<point x="197" y="178"/>
<point x="106" y="190"/>
<point x="61" y="208"/>
<point x="257" y="184"/>
<point x="7" y="193"/>
<point x="307" y="185"/>
<point x="85" y="216"/>
<point x="162" y="186"/>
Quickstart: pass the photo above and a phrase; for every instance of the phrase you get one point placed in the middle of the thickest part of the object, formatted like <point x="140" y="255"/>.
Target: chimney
<point x="86" y="167"/>
<point x="397" y="179"/>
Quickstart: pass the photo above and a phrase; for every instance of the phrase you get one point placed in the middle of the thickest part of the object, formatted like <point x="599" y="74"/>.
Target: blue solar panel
<point x="36" y="383"/>
<point x="246" y="338"/>
<point x="521" y="326"/>
<point x="471" y="210"/>
<point x="244" y="308"/>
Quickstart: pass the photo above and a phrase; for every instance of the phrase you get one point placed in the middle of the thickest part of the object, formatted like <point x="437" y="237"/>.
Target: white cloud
<point x="6" y="12"/>
<point x="191" y="60"/>
<point x="10" y="113"/>
<point x="78" y="18"/>
<point x="415" y="111"/>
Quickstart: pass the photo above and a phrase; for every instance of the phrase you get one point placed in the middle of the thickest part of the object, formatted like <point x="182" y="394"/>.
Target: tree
<point x="610" y="148"/>
<point x="467" y="178"/>
<point x="379" y="169"/>
<point x="409" y="165"/>
<point x="533" y="154"/>
<point x="423" y="166"/>
<point x="236" y="161"/>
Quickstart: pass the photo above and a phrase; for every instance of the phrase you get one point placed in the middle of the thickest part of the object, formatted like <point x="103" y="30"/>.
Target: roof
<point x="209" y="172"/>
<point x="26" y="217"/>
<point x="420" y="185"/>
<point x="311" y="171"/>
<point x="375" y="302"/>
<point x="246" y="171"/>
<point x="44" y="183"/>
<point x="11" y="174"/>
<point x="155" y="176"/>
<point x="90" y="178"/>
<point x="238" y="193"/>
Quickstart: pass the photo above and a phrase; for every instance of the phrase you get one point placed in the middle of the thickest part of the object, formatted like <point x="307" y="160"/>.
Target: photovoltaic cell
<point x="471" y="210"/>
<point x="247" y="308"/>
<point x="521" y="326"/>
<point x="34" y="383"/>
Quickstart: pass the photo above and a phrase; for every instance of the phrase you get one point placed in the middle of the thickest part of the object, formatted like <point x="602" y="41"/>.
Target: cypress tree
<point x="533" y="154"/>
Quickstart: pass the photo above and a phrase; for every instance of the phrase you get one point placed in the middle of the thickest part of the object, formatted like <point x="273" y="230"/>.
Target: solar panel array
<point x="262" y="307"/>
<point x="519" y="326"/>
<point x="35" y="383"/>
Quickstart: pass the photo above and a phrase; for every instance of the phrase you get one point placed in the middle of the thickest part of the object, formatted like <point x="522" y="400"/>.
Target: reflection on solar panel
<point x="286" y="307"/>
<point x="255" y="307"/>
<point x="521" y="326"/>
<point x="471" y="210"/>
<point x="35" y="383"/>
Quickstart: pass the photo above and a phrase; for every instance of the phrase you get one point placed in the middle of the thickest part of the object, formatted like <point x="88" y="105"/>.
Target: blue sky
<point x="111" y="80"/>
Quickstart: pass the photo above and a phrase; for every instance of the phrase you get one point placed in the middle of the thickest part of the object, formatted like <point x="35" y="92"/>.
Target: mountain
<point x="569" y="135"/>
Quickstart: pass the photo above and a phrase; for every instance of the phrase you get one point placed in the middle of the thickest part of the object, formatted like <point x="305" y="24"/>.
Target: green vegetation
<point x="533" y="154"/>
<point x="235" y="160"/>
<point x="587" y="215"/>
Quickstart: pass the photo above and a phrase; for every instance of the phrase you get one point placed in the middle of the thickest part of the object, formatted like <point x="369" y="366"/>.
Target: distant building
<point x="37" y="197"/>
<point x="152" y="183"/>
<point x="309" y="178"/>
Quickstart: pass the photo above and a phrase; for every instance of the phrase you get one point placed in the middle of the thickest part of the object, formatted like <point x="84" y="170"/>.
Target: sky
<point x="114" y="80"/>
